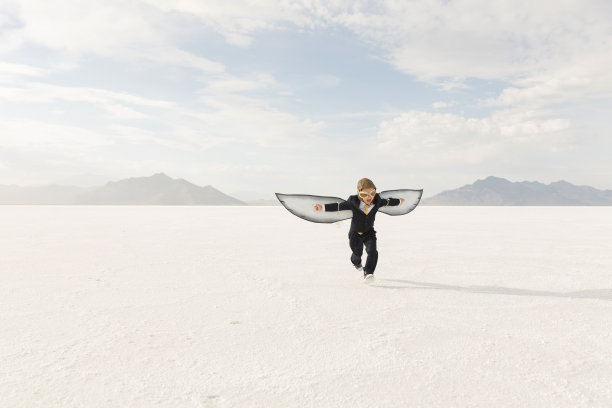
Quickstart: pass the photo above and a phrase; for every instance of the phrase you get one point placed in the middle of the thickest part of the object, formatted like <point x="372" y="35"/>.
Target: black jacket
<point x="360" y="221"/>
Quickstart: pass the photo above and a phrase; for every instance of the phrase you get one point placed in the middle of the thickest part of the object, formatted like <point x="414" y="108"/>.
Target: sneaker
<point x="368" y="277"/>
<point x="358" y="267"/>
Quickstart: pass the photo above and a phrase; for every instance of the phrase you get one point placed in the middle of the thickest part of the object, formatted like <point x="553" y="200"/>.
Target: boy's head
<point x="366" y="190"/>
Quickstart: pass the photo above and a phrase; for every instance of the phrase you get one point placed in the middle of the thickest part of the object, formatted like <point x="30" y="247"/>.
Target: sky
<point x="257" y="97"/>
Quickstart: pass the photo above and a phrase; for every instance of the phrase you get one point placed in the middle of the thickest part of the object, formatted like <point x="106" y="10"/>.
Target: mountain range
<point x="160" y="189"/>
<point x="495" y="191"/>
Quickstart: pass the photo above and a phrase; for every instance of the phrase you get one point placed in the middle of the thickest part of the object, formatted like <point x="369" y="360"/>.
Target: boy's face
<point x="367" y="195"/>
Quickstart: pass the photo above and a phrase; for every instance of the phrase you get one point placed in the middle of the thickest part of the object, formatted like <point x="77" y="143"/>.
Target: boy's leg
<point x="372" y="260"/>
<point x="356" y="247"/>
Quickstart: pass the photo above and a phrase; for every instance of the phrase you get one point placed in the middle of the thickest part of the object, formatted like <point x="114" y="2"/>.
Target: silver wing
<point x="412" y="197"/>
<point x="302" y="205"/>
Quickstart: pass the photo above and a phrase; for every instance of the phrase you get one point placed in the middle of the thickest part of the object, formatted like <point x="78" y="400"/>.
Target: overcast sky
<point x="306" y="96"/>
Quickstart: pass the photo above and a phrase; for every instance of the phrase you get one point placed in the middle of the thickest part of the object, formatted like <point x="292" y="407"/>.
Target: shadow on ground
<point x="598" y="294"/>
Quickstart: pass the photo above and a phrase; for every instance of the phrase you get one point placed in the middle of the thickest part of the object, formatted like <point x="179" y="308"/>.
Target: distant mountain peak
<point x="495" y="179"/>
<point x="561" y="183"/>
<point x="158" y="189"/>
<point x="492" y="181"/>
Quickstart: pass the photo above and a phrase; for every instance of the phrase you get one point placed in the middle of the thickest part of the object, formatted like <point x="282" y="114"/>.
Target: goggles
<point x="363" y="194"/>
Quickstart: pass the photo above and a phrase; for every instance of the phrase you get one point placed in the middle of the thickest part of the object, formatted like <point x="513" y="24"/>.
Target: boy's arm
<point x="391" y="202"/>
<point x="333" y="206"/>
<point x="338" y="206"/>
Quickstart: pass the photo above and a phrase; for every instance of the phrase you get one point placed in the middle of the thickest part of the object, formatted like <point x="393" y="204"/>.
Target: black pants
<point x="357" y="242"/>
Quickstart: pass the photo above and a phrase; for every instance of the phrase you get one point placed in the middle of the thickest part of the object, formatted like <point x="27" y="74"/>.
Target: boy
<point x="364" y="206"/>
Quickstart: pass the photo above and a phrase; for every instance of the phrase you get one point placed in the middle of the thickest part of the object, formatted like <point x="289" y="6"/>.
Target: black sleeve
<point x="389" y="202"/>
<point x="337" y="206"/>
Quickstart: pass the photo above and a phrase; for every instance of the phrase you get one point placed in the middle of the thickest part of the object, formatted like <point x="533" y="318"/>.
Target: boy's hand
<point x="318" y="207"/>
<point x="402" y="201"/>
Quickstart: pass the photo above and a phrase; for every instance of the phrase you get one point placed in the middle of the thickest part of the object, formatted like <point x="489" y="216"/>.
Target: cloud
<point x="587" y="81"/>
<point x="225" y="84"/>
<point x="238" y="21"/>
<point x="239" y="113"/>
<point x="146" y="29"/>
<point x="496" y="40"/>
<point x="234" y="114"/>
<point x="442" y="105"/>
<point x="11" y="73"/>
<point x="38" y="151"/>
<point x="444" y="43"/>
<point x="38" y="92"/>
<point x="546" y="52"/>
<point x="18" y="70"/>
<point x="123" y="31"/>
<point x="123" y="112"/>
<point x="435" y="139"/>
<point x="328" y="80"/>
<point x="174" y="56"/>
<point x="548" y="58"/>
<point x="77" y="26"/>
<point x="25" y="135"/>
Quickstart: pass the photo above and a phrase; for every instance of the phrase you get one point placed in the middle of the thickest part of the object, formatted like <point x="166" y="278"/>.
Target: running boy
<point x="364" y="206"/>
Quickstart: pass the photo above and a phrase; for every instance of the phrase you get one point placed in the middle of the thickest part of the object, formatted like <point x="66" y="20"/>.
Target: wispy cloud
<point x="434" y="139"/>
<point x="8" y="70"/>
<point x="47" y="93"/>
<point x="442" y="104"/>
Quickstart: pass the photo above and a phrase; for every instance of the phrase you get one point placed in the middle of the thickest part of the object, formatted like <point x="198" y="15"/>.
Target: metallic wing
<point x="302" y="205"/>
